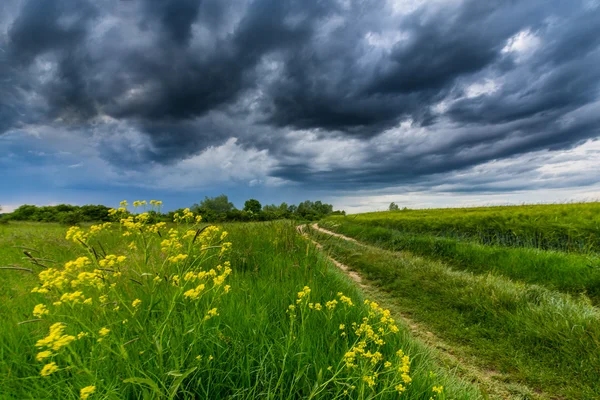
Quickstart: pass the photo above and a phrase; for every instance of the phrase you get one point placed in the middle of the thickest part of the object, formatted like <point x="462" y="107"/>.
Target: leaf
<point x="178" y="381"/>
<point x="144" y="382"/>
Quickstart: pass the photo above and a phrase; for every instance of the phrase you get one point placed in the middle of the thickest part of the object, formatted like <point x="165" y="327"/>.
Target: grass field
<point x="138" y="310"/>
<point x="521" y="308"/>
<point x="184" y="310"/>
<point x="575" y="273"/>
<point x="566" y="227"/>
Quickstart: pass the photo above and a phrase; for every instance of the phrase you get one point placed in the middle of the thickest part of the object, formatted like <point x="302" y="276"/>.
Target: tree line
<point x="212" y="209"/>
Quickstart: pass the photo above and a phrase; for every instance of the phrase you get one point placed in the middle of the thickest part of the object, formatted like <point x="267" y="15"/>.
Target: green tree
<point x="24" y="212"/>
<point x="69" y="218"/>
<point x="252" y="205"/>
<point x="394" y="206"/>
<point x="219" y="204"/>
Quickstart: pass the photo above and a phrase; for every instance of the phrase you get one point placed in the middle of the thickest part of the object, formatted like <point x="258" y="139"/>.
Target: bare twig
<point x="26" y="248"/>
<point x="19" y="269"/>
<point x="198" y="232"/>
<point x="131" y="341"/>
<point x="29" y="321"/>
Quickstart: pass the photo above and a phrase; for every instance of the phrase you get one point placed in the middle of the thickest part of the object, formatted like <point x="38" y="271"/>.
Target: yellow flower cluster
<point x="53" y="343"/>
<point x="304" y="293"/>
<point x="76" y="235"/>
<point x="155" y="228"/>
<point x="403" y="370"/>
<point x="209" y="234"/>
<point x="55" y="339"/>
<point x="53" y="278"/>
<point x="194" y="294"/>
<point x="92" y="280"/>
<point x="177" y="258"/>
<point x="40" y="310"/>
<point x="218" y="276"/>
<point x="186" y="216"/>
<point x="99" y="228"/>
<point x="365" y="358"/>
<point x="111" y="261"/>
<point x="345" y="299"/>
<point x="85" y="392"/>
<point x="211" y="313"/>
<point x="437" y="389"/>
<point x="132" y="223"/>
<point x="49" y="369"/>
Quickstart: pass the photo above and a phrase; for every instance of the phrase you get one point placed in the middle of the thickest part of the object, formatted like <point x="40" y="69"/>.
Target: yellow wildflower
<point x="193" y="294"/>
<point x="42" y="355"/>
<point x="177" y="258"/>
<point x="370" y="380"/>
<point x="55" y="339"/>
<point x="85" y="392"/>
<point x="136" y="303"/>
<point x="104" y="331"/>
<point x="49" y="369"/>
<point x="40" y="310"/>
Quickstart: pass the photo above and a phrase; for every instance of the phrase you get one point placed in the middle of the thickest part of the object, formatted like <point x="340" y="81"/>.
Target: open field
<point x="182" y="315"/>
<point x="184" y="310"/>
<point x="525" y="313"/>
<point x="575" y="273"/>
<point x="566" y="227"/>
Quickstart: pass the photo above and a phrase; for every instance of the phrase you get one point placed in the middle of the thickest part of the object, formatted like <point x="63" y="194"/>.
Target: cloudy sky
<point x="355" y="102"/>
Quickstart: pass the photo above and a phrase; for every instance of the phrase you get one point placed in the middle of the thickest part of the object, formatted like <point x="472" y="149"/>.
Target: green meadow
<point x="485" y="303"/>
<point x="135" y="310"/>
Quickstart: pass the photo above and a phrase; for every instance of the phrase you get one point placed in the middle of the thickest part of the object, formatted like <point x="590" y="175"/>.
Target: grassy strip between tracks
<point x="566" y="272"/>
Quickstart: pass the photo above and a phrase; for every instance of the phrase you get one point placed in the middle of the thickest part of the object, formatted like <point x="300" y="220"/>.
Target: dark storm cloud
<point x="188" y="74"/>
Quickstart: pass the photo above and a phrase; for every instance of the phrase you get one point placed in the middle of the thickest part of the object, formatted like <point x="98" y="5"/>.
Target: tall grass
<point x="540" y="337"/>
<point x="147" y="339"/>
<point x="568" y="272"/>
<point x="566" y="227"/>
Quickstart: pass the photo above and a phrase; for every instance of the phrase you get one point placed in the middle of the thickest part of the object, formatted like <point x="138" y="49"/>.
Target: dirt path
<point x="316" y="227"/>
<point x="493" y="383"/>
<point x="352" y="274"/>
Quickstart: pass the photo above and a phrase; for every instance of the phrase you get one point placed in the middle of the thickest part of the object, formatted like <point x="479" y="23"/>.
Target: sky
<point x="426" y="103"/>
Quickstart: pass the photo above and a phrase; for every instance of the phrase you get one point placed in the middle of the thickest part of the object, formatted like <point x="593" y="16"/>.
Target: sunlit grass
<point x="578" y="274"/>
<point x="571" y="227"/>
<point x="512" y="305"/>
<point x="185" y="310"/>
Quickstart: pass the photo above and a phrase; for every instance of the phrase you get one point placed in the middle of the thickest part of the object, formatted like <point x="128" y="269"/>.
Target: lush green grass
<point x="568" y="272"/>
<point x="252" y="349"/>
<point x="543" y="338"/>
<point x="566" y="227"/>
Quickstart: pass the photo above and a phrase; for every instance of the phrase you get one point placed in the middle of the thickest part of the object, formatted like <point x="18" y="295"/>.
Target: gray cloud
<point x="156" y="81"/>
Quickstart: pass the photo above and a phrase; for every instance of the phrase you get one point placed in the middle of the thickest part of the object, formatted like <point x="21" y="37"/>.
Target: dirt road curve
<point x="352" y="274"/>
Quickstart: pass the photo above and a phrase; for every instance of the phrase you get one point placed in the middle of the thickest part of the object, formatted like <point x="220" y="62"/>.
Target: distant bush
<point x="62" y="213"/>
<point x="216" y="209"/>
<point x="69" y="218"/>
